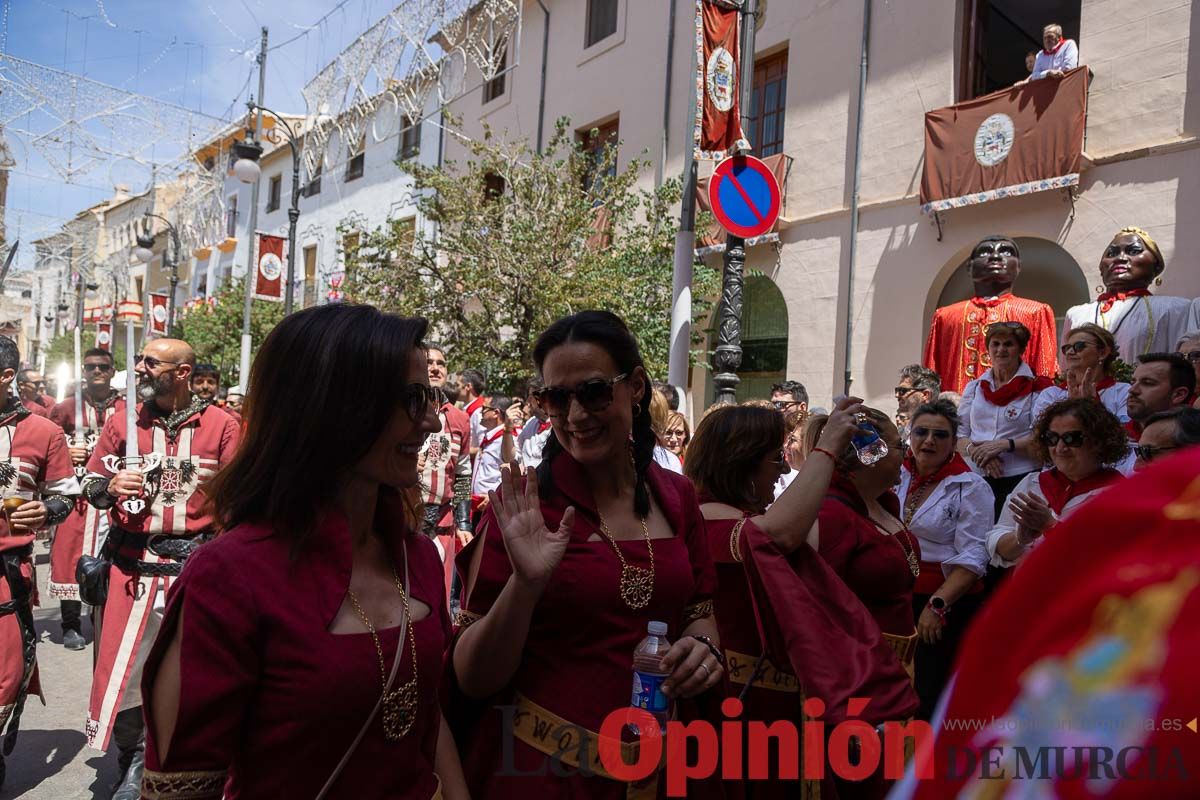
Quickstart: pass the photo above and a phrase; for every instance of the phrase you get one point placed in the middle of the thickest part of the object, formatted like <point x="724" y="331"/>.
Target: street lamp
<point x="247" y="170"/>
<point x="144" y="253"/>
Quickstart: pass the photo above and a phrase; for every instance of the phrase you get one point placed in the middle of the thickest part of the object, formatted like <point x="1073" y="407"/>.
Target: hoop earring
<point x="1099" y="290"/>
<point x="637" y="409"/>
<point x="1158" y="281"/>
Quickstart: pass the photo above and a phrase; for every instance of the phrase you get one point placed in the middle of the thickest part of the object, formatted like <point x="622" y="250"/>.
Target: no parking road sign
<point x="744" y="196"/>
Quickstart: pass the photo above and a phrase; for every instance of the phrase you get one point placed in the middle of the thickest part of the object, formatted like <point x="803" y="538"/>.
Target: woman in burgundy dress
<point x="301" y="652"/>
<point x="860" y="533"/>
<point x="566" y="572"/>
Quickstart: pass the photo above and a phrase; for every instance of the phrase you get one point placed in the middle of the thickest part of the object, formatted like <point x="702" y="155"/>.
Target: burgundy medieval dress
<point x="875" y="565"/>
<point x="270" y="700"/>
<point x="578" y="660"/>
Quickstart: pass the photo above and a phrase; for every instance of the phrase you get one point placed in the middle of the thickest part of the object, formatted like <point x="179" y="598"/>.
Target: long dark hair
<point x="324" y="384"/>
<point x="608" y="332"/>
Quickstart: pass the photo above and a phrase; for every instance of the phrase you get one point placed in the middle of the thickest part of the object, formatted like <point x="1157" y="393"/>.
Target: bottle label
<point x="647" y="693"/>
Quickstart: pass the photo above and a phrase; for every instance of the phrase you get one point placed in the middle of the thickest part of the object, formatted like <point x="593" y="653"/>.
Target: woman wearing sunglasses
<point x="570" y="565"/>
<point x="996" y="412"/>
<point x="949" y="509"/>
<point x="1078" y="437"/>
<point x="760" y="549"/>
<point x="302" y="649"/>
<point x="1089" y="356"/>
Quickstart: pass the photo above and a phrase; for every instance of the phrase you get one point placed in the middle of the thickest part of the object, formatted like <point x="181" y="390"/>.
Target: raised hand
<point x="533" y="549"/>
<point x="841" y="425"/>
<point x="1032" y="515"/>
<point x="1083" y="388"/>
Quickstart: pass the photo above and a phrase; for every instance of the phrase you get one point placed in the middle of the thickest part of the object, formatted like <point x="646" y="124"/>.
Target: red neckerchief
<point x="1101" y="384"/>
<point x="1107" y="299"/>
<point x="988" y="302"/>
<point x="1057" y="47"/>
<point x="954" y="466"/>
<point x="473" y="406"/>
<point x="543" y="426"/>
<point x="1133" y="429"/>
<point x="1059" y="491"/>
<point x="489" y="439"/>
<point x="1015" y="389"/>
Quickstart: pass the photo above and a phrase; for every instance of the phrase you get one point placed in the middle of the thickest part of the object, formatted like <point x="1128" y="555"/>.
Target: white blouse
<point x="953" y="522"/>
<point x="1139" y="324"/>
<point x="1008" y="524"/>
<point x="982" y="421"/>
<point x="1114" y="398"/>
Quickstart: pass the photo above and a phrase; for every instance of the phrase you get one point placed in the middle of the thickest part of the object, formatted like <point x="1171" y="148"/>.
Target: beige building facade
<point x="606" y="65"/>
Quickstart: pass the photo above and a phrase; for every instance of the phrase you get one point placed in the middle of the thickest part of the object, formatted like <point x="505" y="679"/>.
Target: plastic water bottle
<point x="869" y="445"/>
<point x="648" y="676"/>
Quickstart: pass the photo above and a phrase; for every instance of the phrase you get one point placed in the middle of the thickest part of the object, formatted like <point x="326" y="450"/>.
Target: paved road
<point x="52" y="760"/>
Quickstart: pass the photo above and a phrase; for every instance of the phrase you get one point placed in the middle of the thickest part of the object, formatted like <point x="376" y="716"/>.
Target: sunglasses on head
<point x="1075" y="347"/>
<point x="1148" y="452"/>
<point x="151" y="362"/>
<point x="417" y="398"/>
<point x="937" y="433"/>
<point x="594" y="395"/>
<point x="1070" y="438"/>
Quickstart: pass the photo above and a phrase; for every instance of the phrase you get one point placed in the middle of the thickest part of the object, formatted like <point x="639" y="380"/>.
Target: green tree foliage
<point x="61" y="349"/>
<point x="215" y="331"/>
<point x="523" y="238"/>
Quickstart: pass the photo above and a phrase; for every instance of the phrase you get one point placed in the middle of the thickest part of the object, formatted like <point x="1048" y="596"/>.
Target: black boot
<point x="129" y="734"/>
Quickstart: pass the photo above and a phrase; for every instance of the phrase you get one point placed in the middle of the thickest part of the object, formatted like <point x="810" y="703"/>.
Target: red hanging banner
<point x="268" y="274"/>
<point x="158" y="314"/>
<point x="104" y="336"/>
<point x="718" y="79"/>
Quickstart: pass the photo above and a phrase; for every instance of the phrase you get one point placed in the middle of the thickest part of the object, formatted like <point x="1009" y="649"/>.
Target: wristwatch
<point x="938" y="606"/>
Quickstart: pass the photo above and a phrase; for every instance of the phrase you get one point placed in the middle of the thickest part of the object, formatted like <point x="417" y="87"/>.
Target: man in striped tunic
<point x="157" y="515"/>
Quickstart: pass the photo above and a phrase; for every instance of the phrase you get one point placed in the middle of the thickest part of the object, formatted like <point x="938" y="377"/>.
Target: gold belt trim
<point x="192" y="785"/>
<point x="905" y="648"/>
<point x="740" y="667"/>
<point x="548" y="733"/>
<point x="437" y="793"/>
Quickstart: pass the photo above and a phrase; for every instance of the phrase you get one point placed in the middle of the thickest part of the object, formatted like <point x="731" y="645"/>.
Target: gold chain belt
<point x="740" y="667"/>
<point x="548" y="733"/>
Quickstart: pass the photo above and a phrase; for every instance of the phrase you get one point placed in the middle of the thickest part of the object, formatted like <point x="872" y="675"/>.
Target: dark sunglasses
<point x="784" y="405"/>
<point x="417" y="398"/>
<point x="1193" y="356"/>
<point x="151" y="362"/>
<point x="594" y="395"/>
<point x="1070" y="438"/>
<point x="1074" y="347"/>
<point x="936" y="433"/>
<point x="903" y="391"/>
<point x="780" y="459"/>
<point x="1148" y="452"/>
<point x="97" y="367"/>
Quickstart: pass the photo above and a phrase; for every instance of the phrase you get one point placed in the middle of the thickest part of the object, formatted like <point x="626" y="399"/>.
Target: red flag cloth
<point x="1016" y="141"/>
<point x="104" y="336"/>
<point x="1107" y="299"/>
<point x="1015" y="389"/>
<point x="268" y="274"/>
<point x="718" y="81"/>
<point x="158" y="314"/>
<point x="825" y="633"/>
<point x="1091" y="645"/>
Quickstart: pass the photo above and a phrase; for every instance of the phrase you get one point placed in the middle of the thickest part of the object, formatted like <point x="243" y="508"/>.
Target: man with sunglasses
<point x="790" y="397"/>
<point x="83" y="531"/>
<point x="955" y="348"/>
<point x="917" y="386"/>
<point x="158" y="516"/>
<point x="1161" y="382"/>
<point x="497" y="446"/>
<point x="1166" y="432"/>
<point x="31" y="388"/>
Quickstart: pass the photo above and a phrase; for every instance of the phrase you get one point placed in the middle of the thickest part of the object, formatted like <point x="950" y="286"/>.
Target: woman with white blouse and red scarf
<point x="996" y="412"/>
<point x="949" y="509"/>
<point x="1089" y="355"/>
<point x="1079" y="437"/>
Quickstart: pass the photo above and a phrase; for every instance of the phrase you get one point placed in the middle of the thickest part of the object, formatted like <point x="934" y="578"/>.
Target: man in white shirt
<point x="533" y="436"/>
<point x="1059" y="57"/>
<point x="496" y="447"/>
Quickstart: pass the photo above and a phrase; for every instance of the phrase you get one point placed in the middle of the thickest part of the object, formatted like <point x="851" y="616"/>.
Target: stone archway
<point x="764" y="340"/>
<point x="1048" y="273"/>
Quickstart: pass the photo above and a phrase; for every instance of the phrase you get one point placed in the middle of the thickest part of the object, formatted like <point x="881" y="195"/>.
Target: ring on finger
<point x="707" y="671"/>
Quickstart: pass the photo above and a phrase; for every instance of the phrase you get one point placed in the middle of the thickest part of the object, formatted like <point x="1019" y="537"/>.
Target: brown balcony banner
<point x="718" y="76"/>
<point x="1012" y="142"/>
<point x="712" y="238"/>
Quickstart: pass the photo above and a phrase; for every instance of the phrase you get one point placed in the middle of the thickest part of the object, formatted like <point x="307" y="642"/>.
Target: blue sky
<point x="193" y="53"/>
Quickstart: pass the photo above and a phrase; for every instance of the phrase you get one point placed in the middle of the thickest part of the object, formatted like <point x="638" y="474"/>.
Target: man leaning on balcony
<point x="1058" y="56"/>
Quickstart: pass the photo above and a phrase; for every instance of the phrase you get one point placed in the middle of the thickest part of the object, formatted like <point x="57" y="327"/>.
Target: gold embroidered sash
<point x="740" y="667"/>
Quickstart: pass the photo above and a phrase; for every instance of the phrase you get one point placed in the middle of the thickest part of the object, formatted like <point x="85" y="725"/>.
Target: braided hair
<point x="608" y="332"/>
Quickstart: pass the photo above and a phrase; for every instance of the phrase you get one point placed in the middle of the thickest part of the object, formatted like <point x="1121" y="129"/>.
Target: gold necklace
<point x="913" y="502"/>
<point x="910" y="553"/>
<point x="399" y="705"/>
<point x="637" y="583"/>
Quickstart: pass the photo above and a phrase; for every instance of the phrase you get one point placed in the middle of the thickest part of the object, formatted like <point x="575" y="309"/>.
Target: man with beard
<point x="206" y="384"/>
<point x="31" y="387"/>
<point x="39" y="489"/>
<point x="158" y="517"/>
<point x="83" y="531"/>
<point x="956" y="349"/>
<point x="445" y="463"/>
<point x="1161" y="381"/>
